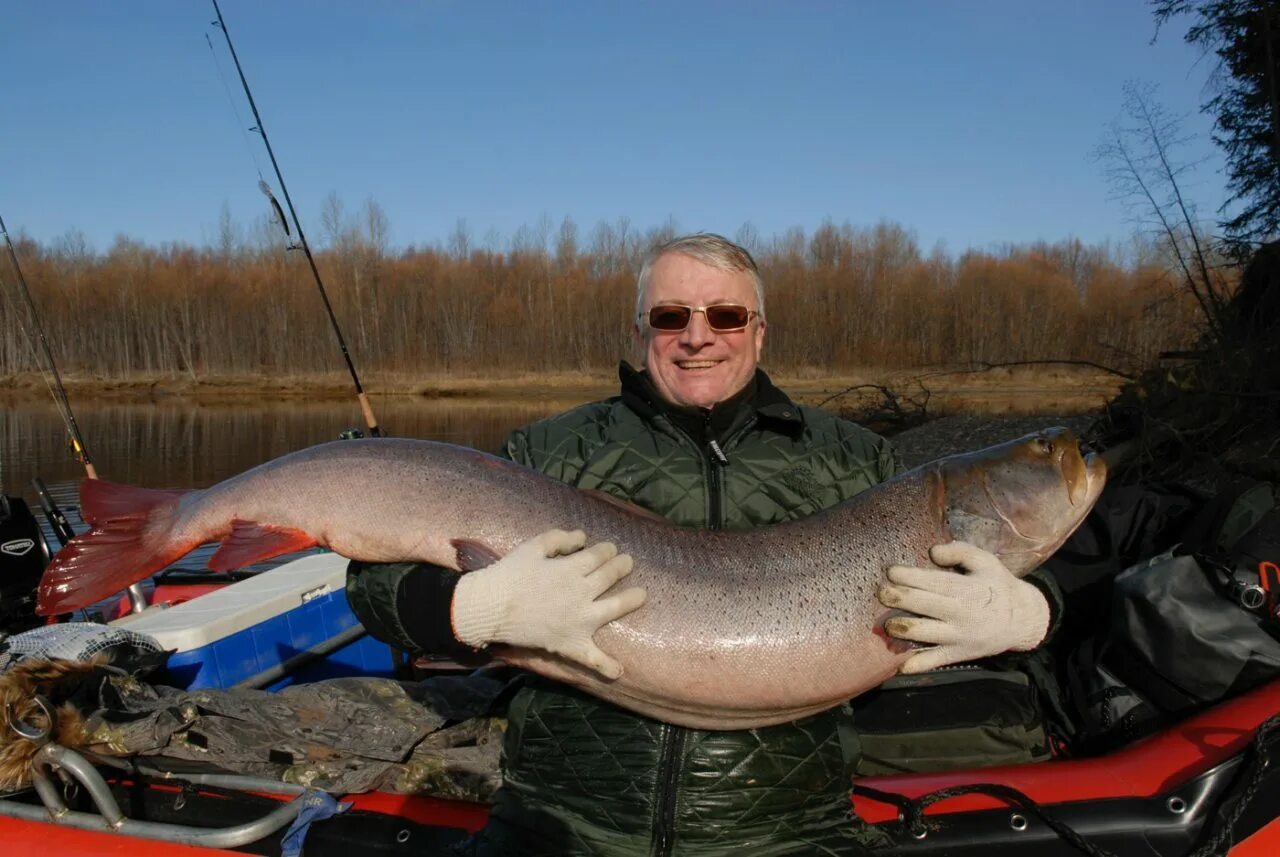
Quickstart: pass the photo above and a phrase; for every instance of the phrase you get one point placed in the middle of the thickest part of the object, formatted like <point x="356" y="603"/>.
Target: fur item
<point x="56" y="680"/>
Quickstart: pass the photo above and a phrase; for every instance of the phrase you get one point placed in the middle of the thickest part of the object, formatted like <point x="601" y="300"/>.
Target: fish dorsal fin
<point x="473" y="555"/>
<point x="619" y="503"/>
<point x="252" y="542"/>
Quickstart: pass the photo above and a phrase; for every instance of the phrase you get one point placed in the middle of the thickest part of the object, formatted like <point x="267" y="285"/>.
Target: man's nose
<point x="698" y="333"/>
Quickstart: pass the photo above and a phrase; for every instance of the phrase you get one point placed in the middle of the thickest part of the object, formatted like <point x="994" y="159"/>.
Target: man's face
<point x="699" y="366"/>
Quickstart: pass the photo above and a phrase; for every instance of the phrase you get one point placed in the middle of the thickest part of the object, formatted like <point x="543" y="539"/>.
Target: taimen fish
<point x="740" y="629"/>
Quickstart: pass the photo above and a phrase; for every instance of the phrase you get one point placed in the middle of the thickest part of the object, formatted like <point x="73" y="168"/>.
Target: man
<point x="703" y="438"/>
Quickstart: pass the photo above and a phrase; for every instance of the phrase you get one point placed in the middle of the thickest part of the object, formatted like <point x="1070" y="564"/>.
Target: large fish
<point x="741" y="629"/>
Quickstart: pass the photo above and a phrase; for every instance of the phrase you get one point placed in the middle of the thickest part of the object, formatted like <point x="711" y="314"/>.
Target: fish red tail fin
<point x="131" y="538"/>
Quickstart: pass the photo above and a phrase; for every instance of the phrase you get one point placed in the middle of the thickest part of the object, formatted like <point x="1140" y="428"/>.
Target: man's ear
<point x="639" y="348"/>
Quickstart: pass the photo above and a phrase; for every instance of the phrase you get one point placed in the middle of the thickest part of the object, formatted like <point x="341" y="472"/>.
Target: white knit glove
<point x="977" y="611"/>
<point x="545" y="594"/>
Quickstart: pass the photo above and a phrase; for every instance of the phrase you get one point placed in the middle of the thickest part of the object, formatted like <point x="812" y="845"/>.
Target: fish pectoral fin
<point x="252" y="542"/>
<point x="473" y="555"/>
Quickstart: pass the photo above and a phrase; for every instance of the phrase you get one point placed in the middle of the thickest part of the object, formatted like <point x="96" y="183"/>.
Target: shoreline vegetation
<point x="934" y="391"/>
<point x="454" y="319"/>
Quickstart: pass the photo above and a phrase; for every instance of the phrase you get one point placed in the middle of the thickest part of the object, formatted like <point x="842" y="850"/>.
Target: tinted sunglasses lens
<point x="727" y="317"/>
<point x="669" y="317"/>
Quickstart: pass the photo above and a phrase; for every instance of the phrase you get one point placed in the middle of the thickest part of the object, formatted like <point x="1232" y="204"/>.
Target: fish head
<point x="1020" y="500"/>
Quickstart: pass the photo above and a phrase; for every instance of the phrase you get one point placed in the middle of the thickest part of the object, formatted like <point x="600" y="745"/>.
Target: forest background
<point x="551" y="299"/>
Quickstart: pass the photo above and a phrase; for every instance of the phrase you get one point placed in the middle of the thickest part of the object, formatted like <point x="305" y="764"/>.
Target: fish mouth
<point x="1082" y="470"/>
<point x="1085" y="473"/>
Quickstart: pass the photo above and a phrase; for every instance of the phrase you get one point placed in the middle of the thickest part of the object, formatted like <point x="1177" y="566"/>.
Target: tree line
<point x="551" y="299"/>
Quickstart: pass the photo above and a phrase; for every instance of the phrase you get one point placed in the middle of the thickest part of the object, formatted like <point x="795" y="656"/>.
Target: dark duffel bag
<point x="1186" y="629"/>
<point x="948" y="719"/>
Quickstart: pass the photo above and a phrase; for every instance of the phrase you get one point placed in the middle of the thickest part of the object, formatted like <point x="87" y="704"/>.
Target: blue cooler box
<point x="226" y="636"/>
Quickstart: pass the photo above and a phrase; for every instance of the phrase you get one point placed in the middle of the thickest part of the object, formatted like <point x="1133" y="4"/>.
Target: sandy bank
<point x="1022" y="389"/>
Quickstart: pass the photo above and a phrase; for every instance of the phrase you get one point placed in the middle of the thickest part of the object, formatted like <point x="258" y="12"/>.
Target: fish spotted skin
<point x="740" y="629"/>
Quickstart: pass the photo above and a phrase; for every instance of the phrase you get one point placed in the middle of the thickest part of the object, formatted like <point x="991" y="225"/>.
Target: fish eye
<point x="1046" y="445"/>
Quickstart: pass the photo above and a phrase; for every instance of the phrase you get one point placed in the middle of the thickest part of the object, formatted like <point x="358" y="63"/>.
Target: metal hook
<point x="25" y="730"/>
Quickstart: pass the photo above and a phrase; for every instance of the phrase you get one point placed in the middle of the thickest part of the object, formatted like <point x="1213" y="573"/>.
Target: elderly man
<point x="703" y="438"/>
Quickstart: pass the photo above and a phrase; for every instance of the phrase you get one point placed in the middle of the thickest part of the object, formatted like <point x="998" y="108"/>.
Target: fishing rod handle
<point x="369" y="419"/>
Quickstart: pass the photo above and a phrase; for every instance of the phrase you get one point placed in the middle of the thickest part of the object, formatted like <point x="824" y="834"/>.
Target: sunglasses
<point x="722" y="318"/>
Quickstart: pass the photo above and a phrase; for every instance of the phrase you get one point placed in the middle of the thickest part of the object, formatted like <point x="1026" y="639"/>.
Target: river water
<point x="178" y="443"/>
<point x="181" y="444"/>
<point x="184" y="445"/>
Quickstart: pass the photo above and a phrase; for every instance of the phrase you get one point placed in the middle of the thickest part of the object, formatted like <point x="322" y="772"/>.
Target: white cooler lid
<point x="223" y="612"/>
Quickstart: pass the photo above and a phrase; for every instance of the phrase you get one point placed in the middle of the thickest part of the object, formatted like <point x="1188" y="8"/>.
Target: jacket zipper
<point x="715" y="485"/>
<point x="673" y="743"/>
<point x="674" y="738"/>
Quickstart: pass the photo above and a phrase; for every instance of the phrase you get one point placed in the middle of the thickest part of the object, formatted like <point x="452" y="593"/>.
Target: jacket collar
<point x="760" y="396"/>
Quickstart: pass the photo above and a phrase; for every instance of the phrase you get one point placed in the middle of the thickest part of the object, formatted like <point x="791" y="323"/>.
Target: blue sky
<point x="969" y="123"/>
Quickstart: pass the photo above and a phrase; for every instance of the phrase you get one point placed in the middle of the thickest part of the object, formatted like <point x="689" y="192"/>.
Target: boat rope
<point x="1216" y="840"/>
<point x="1220" y="836"/>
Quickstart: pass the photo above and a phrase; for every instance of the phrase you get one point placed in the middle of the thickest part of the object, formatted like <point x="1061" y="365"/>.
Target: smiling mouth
<point x="697" y="364"/>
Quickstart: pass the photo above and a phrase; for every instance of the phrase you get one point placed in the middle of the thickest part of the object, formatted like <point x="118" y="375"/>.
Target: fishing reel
<point x="1251" y="584"/>
<point x="350" y="434"/>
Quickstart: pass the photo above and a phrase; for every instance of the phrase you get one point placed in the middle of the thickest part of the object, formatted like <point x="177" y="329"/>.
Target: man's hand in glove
<point x="976" y="611"/>
<point x="545" y="594"/>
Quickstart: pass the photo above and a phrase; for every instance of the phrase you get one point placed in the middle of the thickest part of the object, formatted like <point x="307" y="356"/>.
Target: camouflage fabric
<point x="343" y="735"/>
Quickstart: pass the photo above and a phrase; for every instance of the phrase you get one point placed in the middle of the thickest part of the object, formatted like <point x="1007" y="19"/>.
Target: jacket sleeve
<point x="887" y="459"/>
<point x="407" y="605"/>
<point x="861" y="459"/>
<point x="1042" y="579"/>
<point x="516" y="448"/>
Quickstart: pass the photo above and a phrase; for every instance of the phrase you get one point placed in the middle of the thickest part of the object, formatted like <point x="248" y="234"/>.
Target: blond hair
<point x="710" y="249"/>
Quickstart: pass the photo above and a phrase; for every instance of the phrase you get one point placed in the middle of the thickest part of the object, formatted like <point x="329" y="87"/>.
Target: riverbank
<point x="1019" y="389"/>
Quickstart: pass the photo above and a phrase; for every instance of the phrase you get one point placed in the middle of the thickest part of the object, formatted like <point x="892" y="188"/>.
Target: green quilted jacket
<point x="583" y="777"/>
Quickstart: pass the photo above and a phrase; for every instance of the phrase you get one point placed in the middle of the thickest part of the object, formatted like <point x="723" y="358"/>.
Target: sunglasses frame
<point x="647" y="316"/>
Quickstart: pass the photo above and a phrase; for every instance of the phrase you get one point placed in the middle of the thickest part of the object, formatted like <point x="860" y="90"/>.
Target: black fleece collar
<point x="759" y="396"/>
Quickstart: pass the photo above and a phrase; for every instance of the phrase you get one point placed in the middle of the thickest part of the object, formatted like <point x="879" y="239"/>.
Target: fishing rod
<point x="40" y="345"/>
<point x="59" y="391"/>
<point x="369" y="419"/>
